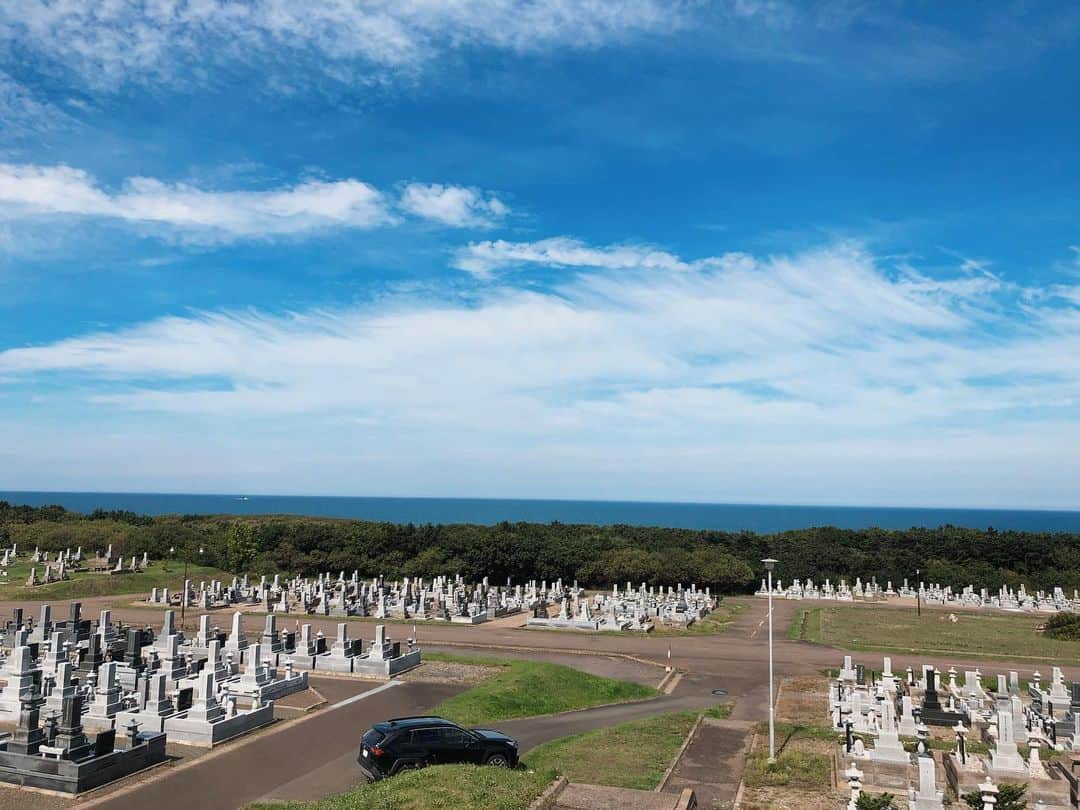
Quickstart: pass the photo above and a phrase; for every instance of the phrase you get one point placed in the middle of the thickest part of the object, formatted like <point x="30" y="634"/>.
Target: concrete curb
<point x="682" y="750"/>
<point x="742" y="782"/>
<point x="551" y="792"/>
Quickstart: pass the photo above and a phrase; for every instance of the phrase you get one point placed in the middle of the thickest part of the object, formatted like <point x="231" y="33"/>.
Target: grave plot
<point x="929" y="734"/>
<point x="134" y="689"/>
<point x="630" y="609"/>
<point x="554" y="605"/>
<point x="447" y="599"/>
<point x="1005" y="598"/>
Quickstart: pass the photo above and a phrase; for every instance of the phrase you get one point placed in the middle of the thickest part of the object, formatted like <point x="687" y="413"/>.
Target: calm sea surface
<point x="729" y="517"/>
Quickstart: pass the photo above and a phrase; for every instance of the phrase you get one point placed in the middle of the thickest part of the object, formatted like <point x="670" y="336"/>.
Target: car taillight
<point x="377" y="752"/>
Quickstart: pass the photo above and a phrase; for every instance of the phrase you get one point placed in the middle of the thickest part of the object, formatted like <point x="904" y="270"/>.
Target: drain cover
<point x="719" y="692"/>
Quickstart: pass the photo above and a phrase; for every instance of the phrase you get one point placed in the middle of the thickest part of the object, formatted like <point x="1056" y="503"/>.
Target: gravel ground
<point x="446" y="672"/>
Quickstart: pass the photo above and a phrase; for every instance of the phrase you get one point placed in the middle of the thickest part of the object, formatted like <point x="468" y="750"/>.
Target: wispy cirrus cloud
<point x="484" y="258"/>
<point x="22" y="112"/>
<point x="784" y="363"/>
<point x="110" y="42"/>
<point x="28" y="190"/>
<point x="819" y="336"/>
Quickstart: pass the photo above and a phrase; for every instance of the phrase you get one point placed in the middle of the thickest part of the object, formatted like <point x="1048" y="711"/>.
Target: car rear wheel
<point x="498" y="760"/>
<point x="409" y="766"/>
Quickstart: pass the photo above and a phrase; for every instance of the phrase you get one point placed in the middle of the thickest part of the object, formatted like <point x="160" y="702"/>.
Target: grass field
<point x="85" y="583"/>
<point x="529" y="688"/>
<point x="631" y="755"/>
<point x="442" y="787"/>
<point x="975" y="635"/>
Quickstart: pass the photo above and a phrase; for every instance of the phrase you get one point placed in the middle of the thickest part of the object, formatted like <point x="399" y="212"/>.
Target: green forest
<point x="593" y="555"/>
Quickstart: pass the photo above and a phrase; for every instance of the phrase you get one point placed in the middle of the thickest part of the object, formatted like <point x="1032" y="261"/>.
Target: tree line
<point x="594" y="555"/>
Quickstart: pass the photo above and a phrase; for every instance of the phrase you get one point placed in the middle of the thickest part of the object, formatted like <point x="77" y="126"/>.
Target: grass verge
<point x="528" y="688"/>
<point x="936" y="632"/>
<point x="630" y="755"/>
<point x="454" y="787"/>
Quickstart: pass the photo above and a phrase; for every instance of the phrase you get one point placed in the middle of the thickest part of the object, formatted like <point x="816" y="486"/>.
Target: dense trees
<point x="594" y="555"/>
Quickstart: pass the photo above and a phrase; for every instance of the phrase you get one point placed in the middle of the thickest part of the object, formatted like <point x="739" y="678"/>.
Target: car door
<point x="460" y="746"/>
<point x="428" y="743"/>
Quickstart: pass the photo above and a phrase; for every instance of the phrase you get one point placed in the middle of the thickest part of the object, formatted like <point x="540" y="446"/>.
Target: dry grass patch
<point x="803" y="700"/>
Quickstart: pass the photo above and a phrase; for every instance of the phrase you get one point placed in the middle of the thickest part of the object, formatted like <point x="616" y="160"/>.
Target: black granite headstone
<point x="184" y="699"/>
<point x="105" y="742"/>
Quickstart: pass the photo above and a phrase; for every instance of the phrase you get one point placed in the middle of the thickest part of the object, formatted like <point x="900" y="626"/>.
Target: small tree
<point x="1010" y="797"/>
<point x="1064" y="626"/>
<point x="871" y="801"/>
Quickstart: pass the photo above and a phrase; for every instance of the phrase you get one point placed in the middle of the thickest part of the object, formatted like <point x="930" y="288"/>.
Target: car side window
<point x="426" y="737"/>
<point x="455" y="737"/>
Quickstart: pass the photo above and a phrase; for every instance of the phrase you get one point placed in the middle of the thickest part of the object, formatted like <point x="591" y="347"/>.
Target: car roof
<point x="413" y="722"/>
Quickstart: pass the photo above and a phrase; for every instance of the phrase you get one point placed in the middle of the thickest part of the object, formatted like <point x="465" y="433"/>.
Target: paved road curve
<point x="244" y="771"/>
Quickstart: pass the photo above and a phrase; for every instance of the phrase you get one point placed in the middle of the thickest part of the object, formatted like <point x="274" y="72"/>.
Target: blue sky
<point x="739" y="251"/>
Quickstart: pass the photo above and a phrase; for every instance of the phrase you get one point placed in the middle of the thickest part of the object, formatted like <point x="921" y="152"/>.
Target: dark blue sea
<point x="727" y="517"/>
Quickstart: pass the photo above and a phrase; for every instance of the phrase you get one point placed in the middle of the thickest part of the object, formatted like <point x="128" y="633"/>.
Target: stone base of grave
<point x="892" y="776"/>
<point x="274" y="690"/>
<point x="147" y="722"/>
<point x="93" y="724"/>
<point x="386" y="668"/>
<point x="480" y="618"/>
<point x="302" y="662"/>
<point x="890" y="756"/>
<point x="963" y="779"/>
<point x="563" y="624"/>
<point x="333" y="663"/>
<point x="65" y="776"/>
<point x="207" y="735"/>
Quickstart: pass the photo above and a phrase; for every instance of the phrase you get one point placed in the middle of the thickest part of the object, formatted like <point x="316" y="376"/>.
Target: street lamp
<point x="770" y="563"/>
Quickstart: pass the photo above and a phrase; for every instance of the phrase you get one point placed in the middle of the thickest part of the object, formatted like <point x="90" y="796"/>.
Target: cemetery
<point x="1005" y="598"/>
<point x="554" y="605"/>
<point x="92" y="701"/>
<point x="967" y="736"/>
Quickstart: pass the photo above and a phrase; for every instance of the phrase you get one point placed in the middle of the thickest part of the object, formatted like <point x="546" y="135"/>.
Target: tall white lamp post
<point x="770" y="563"/>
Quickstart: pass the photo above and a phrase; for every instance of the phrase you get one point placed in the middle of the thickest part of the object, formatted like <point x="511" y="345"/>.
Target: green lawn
<point x="631" y="755"/>
<point x="85" y="583"/>
<point x="985" y="635"/>
<point x="454" y="787"/>
<point x="802" y="757"/>
<point x="528" y="688"/>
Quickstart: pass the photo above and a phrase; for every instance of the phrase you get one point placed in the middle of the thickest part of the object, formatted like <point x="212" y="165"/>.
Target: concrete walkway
<point x="712" y="763"/>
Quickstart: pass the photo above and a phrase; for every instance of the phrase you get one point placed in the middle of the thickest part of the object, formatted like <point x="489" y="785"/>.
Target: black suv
<point x="405" y="743"/>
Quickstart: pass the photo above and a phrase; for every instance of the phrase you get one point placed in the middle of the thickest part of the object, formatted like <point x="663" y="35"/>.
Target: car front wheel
<point x="498" y="760"/>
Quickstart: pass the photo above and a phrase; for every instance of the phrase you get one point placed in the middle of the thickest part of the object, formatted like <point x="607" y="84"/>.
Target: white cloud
<point x="634" y="380"/>
<point x="31" y="190"/>
<point x="483" y="258"/>
<point x="452" y="205"/>
<point x="109" y="42"/>
<point x="23" y="113"/>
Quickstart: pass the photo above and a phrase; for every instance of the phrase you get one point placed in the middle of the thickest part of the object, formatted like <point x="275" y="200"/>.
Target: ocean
<point x="725" y="517"/>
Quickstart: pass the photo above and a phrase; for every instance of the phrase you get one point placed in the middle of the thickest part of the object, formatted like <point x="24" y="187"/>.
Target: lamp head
<point x="770" y="563"/>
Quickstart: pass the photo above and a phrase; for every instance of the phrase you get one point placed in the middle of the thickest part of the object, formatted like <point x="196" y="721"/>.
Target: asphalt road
<point x="296" y="754"/>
